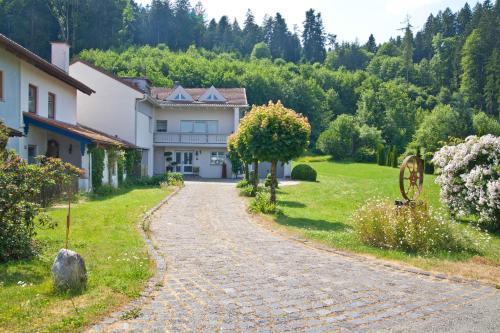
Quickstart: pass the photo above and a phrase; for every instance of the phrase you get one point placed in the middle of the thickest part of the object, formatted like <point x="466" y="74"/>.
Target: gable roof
<point x="42" y="64"/>
<point x="125" y="80"/>
<point x="212" y="95"/>
<point x="180" y="91"/>
<point x="233" y="96"/>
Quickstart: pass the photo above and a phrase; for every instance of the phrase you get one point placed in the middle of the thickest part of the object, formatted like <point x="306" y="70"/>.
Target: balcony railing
<point x="190" y="138"/>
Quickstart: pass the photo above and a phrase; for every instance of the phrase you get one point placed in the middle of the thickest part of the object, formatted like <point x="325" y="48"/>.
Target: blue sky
<point x="348" y="19"/>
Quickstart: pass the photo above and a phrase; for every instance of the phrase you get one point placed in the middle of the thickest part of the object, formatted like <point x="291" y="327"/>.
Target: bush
<point x="469" y="178"/>
<point x="267" y="181"/>
<point x="428" y="166"/>
<point x="105" y="189"/>
<point x="175" y="178"/>
<point x="243" y="183"/>
<point x="339" y="138"/>
<point x="262" y="204"/>
<point x="413" y="228"/>
<point x="304" y="172"/>
<point x="20" y="212"/>
<point x="247" y="190"/>
<point x="365" y="154"/>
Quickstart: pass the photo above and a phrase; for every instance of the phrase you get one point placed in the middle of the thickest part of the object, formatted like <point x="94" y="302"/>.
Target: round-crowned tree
<point x="274" y="133"/>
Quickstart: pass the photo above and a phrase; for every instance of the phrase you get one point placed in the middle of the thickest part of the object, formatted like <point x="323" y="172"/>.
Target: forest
<point x="413" y="92"/>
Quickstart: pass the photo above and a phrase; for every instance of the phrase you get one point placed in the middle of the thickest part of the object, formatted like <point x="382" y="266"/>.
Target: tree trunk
<point x="273" y="181"/>
<point x="247" y="173"/>
<point x="255" y="177"/>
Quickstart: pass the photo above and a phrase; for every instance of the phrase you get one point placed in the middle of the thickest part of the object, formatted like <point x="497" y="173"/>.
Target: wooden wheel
<point x="411" y="177"/>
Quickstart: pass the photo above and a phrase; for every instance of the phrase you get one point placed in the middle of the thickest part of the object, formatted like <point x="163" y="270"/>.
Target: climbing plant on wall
<point x="132" y="159"/>
<point x="97" y="154"/>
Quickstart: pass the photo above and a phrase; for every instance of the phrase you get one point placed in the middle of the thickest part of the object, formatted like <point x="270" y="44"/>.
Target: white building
<point x="38" y="101"/>
<point x="178" y="129"/>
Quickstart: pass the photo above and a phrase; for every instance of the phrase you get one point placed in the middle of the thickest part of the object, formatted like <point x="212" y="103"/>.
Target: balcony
<point x="190" y="139"/>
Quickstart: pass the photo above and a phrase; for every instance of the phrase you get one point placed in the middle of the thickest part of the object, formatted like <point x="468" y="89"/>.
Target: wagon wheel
<point x="411" y="177"/>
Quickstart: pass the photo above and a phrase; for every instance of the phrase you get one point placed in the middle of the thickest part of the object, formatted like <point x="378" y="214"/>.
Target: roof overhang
<point x="43" y="64"/>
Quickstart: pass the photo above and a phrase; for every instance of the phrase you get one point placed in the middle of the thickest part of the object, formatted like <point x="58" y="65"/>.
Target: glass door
<point x="184" y="162"/>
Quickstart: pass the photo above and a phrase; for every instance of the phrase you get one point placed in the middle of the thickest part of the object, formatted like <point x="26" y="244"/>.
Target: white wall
<point x="111" y="109"/>
<point x="145" y="127"/>
<point x="174" y="115"/>
<point x="65" y="94"/>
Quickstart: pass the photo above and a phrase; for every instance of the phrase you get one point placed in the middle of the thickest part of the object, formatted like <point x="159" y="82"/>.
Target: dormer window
<point x="179" y="94"/>
<point x="212" y="95"/>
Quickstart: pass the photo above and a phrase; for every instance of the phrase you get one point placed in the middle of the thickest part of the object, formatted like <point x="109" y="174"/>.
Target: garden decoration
<point x="411" y="178"/>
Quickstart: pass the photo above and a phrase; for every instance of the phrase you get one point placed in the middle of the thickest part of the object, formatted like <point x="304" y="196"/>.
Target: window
<point x="32" y="99"/>
<point x="51" y="107"/>
<point x="31" y="154"/>
<point x="212" y="97"/>
<point x="200" y="126"/>
<point x="217" y="157"/>
<point x="180" y="97"/>
<point x="161" y="125"/>
<point x="1" y="85"/>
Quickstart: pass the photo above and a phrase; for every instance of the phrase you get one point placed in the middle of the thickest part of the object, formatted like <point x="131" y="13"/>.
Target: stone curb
<point x="272" y="227"/>
<point x="160" y="270"/>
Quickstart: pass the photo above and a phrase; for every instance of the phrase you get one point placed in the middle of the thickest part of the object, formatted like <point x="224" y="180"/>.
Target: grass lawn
<point x="103" y="232"/>
<point x="323" y="211"/>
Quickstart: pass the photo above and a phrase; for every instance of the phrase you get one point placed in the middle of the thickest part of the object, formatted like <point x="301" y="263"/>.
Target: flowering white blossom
<point x="469" y="178"/>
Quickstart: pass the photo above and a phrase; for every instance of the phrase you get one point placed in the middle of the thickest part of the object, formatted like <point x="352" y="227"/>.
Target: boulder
<point x="69" y="271"/>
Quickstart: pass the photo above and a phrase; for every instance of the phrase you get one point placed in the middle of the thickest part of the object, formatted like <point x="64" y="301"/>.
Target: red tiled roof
<point x="233" y="96"/>
<point x="42" y="64"/>
<point x="85" y="132"/>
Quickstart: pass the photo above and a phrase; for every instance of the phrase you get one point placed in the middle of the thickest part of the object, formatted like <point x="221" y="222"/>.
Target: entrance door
<point x="184" y="162"/>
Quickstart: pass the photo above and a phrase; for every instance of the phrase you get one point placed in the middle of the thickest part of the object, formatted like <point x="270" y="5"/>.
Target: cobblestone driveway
<point x="226" y="273"/>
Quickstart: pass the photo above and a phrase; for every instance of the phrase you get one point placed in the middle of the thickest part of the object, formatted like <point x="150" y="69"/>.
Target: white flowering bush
<point x="468" y="177"/>
<point x="414" y="228"/>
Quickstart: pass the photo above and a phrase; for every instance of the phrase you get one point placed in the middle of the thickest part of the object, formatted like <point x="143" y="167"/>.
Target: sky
<point x="348" y="19"/>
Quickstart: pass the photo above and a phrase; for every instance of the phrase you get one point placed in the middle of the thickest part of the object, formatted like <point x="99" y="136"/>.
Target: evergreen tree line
<point x="105" y="24"/>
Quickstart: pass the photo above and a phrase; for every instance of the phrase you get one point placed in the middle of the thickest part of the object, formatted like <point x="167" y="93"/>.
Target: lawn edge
<point x="267" y="222"/>
<point x="152" y="283"/>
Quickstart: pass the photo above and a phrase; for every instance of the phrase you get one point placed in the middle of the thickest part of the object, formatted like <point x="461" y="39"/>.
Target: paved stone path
<point x="227" y="274"/>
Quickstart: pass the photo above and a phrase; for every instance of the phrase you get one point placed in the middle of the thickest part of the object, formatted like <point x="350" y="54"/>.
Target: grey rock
<point x="69" y="271"/>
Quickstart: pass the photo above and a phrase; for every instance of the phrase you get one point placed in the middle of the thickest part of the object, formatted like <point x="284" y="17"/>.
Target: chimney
<point x="60" y="55"/>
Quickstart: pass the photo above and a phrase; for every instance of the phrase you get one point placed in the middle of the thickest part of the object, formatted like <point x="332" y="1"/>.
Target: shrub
<point x="339" y="138"/>
<point x="428" y="166"/>
<point x="414" y="228"/>
<point x="262" y="204"/>
<point x="20" y="212"/>
<point x="243" y="183"/>
<point x="365" y="154"/>
<point x="304" y="172"/>
<point x="105" y="189"/>
<point x="267" y="181"/>
<point x="381" y="155"/>
<point x="483" y="124"/>
<point x="175" y="178"/>
<point x="469" y="178"/>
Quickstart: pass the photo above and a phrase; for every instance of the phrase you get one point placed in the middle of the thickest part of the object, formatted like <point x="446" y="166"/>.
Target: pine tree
<point x="251" y="33"/>
<point x="278" y="38"/>
<point x="492" y="85"/>
<point x="314" y="38"/>
<point x="371" y="45"/>
<point x="408" y="49"/>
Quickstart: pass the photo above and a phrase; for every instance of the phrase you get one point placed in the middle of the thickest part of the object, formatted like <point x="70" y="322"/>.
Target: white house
<point x="38" y="102"/>
<point x="178" y="129"/>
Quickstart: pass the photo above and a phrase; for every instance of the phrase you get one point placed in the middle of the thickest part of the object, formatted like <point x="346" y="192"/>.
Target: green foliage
<point x="340" y="137"/>
<point x="443" y="122"/>
<point x="243" y="183"/>
<point x="365" y="154"/>
<point x="132" y="160"/>
<point x="304" y="172"/>
<point x="381" y="155"/>
<point x="262" y="204"/>
<point x="414" y="228"/>
<point x="394" y="161"/>
<point x="97" y="154"/>
<point x="268" y="180"/>
<point x="428" y="166"/>
<point x="105" y="190"/>
<point x="261" y="51"/>
<point x="21" y="185"/>
<point x="121" y="168"/>
<point x="248" y="190"/>
<point x="483" y="124"/>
